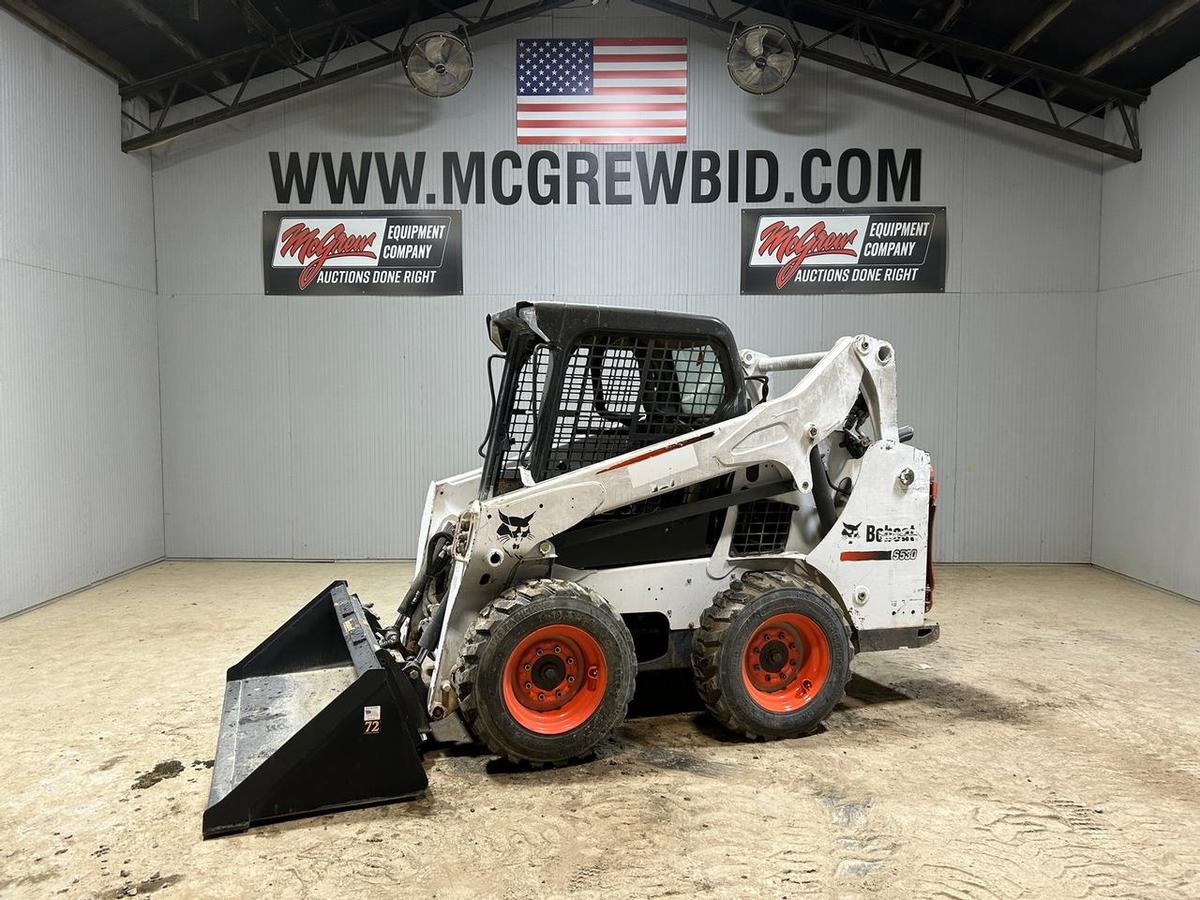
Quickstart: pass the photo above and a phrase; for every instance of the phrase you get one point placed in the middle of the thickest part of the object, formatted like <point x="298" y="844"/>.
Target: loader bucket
<point x="316" y="718"/>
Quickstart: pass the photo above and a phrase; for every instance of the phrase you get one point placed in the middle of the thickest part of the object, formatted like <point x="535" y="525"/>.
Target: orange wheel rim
<point x="554" y="679"/>
<point x="786" y="662"/>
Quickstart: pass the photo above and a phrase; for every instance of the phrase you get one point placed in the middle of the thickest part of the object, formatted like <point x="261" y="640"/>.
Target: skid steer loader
<point x="644" y="503"/>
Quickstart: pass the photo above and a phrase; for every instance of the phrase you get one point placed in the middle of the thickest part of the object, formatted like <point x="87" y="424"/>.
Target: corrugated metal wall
<point x="80" y="471"/>
<point x="309" y="427"/>
<point x="1147" y="490"/>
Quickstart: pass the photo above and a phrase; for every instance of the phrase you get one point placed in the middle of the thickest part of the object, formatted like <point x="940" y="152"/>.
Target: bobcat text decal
<point x="880" y="534"/>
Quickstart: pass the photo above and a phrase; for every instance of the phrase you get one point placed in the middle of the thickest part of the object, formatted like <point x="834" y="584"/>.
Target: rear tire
<point x="546" y="672"/>
<point x="771" y="658"/>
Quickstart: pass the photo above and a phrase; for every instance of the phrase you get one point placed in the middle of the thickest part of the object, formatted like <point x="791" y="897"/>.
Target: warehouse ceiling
<point x="143" y="43"/>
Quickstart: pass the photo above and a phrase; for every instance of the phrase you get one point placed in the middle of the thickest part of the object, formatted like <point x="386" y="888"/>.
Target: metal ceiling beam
<point x="35" y="16"/>
<point x="1039" y="24"/>
<point x="149" y="17"/>
<point x="159" y="131"/>
<point x="968" y="50"/>
<point x="1157" y="23"/>
<point x="864" y="29"/>
<point x="236" y="59"/>
<point x="255" y="20"/>
<point x="949" y="17"/>
<point x="953" y="11"/>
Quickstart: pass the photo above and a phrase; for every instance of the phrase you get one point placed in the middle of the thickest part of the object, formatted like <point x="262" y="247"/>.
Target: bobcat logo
<point x="850" y="531"/>
<point x="513" y="528"/>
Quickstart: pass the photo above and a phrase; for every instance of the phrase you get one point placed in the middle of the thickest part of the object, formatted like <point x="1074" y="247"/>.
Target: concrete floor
<point x="1049" y="746"/>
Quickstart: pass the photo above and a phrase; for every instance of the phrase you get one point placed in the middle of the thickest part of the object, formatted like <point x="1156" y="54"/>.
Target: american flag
<point x="602" y="91"/>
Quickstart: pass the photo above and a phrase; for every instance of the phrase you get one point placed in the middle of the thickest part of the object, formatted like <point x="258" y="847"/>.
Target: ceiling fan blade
<point x="781" y="62"/>
<point x="738" y="57"/>
<point x="416" y="63"/>
<point x="769" y="80"/>
<point x="754" y="41"/>
<point x="434" y="49"/>
<point x="426" y="82"/>
<point x="459" y="69"/>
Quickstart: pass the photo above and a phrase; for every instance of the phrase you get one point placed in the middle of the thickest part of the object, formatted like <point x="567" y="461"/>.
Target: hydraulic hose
<point x="436" y="560"/>
<point x="431" y="633"/>
<point x="822" y="492"/>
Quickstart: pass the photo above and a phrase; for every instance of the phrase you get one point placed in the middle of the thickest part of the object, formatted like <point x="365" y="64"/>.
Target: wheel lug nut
<point x="558" y="649"/>
<point x="541" y="696"/>
<point x="540" y="651"/>
<point x="570" y="660"/>
<point x="528" y="685"/>
<point x="757" y="667"/>
<point x="570" y="679"/>
<point x="526" y="667"/>
<point x="558" y="693"/>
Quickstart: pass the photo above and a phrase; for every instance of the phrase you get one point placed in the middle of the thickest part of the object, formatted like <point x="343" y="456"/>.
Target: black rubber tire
<point x="719" y="643"/>
<point x="495" y="634"/>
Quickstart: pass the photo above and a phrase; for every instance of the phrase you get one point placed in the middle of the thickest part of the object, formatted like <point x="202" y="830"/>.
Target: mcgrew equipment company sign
<point x="363" y="252"/>
<point x="848" y="250"/>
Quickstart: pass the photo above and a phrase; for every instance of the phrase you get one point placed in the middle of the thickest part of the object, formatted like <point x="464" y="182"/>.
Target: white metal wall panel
<point x="1026" y="411"/>
<point x="1147" y="479"/>
<point x="864" y="113"/>
<point x="369" y="428"/>
<point x="70" y="201"/>
<point x="80" y="479"/>
<point x="80" y="460"/>
<point x="1150" y="209"/>
<point x="347" y="359"/>
<point x="1147" y="485"/>
<point x="226" y="429"/>
<point x="1031" y="212"/>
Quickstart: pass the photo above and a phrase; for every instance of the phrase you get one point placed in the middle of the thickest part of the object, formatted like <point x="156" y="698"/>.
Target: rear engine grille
<point x="761" y="527"/>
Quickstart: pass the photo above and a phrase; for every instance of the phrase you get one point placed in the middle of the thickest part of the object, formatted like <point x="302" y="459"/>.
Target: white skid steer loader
<point x="643" y="503"/>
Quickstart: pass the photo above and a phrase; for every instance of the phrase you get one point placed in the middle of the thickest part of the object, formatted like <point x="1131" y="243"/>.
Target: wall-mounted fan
<point x="761" y="58"/>
<point x="439" y="64"/>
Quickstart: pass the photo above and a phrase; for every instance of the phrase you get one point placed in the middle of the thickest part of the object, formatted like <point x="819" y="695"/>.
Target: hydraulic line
<point x="437" y="557"/>
<point x="822" y="493"/>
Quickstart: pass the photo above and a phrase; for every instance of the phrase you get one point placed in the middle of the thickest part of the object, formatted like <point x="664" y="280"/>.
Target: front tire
<point x="546" y="672"/>
<point x="771" y="658"/>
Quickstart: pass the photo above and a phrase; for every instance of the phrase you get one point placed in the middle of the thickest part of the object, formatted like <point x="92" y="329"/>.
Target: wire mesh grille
<point x="624" y="392"/>
<point x="526" y="405"/>
<point x="761" y="527"/>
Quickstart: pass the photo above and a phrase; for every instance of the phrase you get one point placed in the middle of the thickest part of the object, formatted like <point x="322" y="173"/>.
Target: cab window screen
<point x="522" y="422"/>
<point x="624" y="392"/>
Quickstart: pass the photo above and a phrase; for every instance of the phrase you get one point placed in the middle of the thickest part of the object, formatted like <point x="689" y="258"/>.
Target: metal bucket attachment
<point x="316" y="718"/>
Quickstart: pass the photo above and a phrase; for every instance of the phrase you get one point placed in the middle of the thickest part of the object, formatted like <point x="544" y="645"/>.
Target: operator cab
<point x="582" y="384"/>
